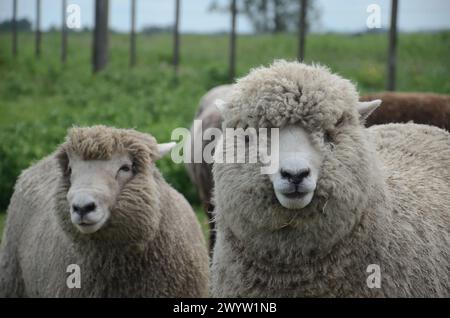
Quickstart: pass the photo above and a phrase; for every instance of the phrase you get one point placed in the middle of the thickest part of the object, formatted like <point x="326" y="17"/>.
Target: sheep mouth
<point x="89" y="228"/>
<point x="294" y="200"/>
<point x="85" y="224"/>
<point x="295" y="195"/>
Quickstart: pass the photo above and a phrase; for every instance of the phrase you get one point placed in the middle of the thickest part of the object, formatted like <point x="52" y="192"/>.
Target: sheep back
<point x="401" y="107"/>
<point x="201" y="173"/>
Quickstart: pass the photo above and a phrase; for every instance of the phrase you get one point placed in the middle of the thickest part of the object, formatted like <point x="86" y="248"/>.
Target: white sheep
<point x="99" y="208"/>
<point x="397" y="107"/>
<point x="351" y="211"/>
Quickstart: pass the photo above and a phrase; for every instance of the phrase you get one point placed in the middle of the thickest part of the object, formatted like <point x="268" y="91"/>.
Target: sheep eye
<point x="340" y="121"/>
<point x="69" y="171"/>
<point x="125" y="168"/>
<point x="327" y="136"/>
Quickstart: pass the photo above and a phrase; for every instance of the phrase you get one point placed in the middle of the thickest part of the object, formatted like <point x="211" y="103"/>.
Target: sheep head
<point x="109" y="183"/>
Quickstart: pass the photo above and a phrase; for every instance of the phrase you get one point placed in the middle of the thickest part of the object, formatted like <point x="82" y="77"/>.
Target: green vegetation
<point x="40" y="99"/>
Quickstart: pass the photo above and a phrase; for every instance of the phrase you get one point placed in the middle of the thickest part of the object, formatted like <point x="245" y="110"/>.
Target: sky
<point x="336" y="15"/>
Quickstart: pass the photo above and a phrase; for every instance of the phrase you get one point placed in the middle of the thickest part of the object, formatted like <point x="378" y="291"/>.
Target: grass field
<point x="40" y="99"/>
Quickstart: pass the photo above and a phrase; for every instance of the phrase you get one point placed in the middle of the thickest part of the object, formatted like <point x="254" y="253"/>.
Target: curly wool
<point x="381" y="198"/>
<point x="276" y="96"/>
<point x="152" y="245"/>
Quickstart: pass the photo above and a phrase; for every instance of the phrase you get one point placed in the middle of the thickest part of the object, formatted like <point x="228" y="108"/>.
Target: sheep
<point x="350" y="211"/>
<point x="100" y="206"/>
<point x="420" y="108"/>
<point x="200" y="172"/>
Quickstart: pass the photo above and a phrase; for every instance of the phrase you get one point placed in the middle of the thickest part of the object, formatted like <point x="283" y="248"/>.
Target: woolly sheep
<point x="420" y="108"/>
<point x="200" y="173"/>
<point x="100" y="203"/>
<point x="377" y="223"/>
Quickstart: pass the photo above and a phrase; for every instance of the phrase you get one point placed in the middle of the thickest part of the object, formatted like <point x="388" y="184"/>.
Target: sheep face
<point x="298" y="168"/>
<point x="94" y="187"/>
<point x="108" y="190"/>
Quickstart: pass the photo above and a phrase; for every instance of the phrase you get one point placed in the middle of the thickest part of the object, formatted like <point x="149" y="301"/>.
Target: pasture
<point x="41" y="99"/>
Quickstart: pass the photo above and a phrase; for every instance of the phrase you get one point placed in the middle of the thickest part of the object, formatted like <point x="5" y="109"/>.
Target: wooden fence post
<point x="38" y="28"/>
<point x="100" y="43"/>
<point x="64" y="33"/>
<point x="392" y="60"/>
<point x="14" y="29"/>
<point x="302" y="30"/>
<point x="232" y="66"/>
<point x="176" y="37"/>
<point x="133" y="34"/>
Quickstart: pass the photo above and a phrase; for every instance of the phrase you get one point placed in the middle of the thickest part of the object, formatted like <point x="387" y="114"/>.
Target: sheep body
<point x="162" y="256"/>
<point x="420" y="108"/>
<point x="200" y="173"/>
<point x="383" y="199"/>
<point x="397" y="107"/>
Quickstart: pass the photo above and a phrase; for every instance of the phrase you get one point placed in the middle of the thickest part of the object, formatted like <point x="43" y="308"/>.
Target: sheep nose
<point x="84" y="209"/>
<point x="295" y="177"/>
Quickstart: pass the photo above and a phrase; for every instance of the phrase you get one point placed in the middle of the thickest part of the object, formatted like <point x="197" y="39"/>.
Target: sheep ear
<point x="221" y="105"/>
<point x="366" y="108"/>
<point x="165" y="148"/>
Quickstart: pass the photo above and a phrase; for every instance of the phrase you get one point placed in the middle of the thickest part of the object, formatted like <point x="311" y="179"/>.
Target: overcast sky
<point x="336" y="15"/>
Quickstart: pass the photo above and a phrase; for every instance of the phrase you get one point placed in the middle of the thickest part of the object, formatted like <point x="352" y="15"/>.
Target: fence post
<point x="133" y="34"/>
<point x="38" y="28"/>
<point x="176" y="37"/>
<point x="392" y="60"/>
<point x="232" y="66"/>
<point x="302" y="30"/>
<point x="14" y="29"/>
<point x="64" y="33"/>
<point x="100" y="43"/>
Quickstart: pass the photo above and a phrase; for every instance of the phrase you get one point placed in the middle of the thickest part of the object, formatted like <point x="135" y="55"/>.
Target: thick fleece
<point x="397" y="107"/>
<point x="152" y="245"/>
<point x="383" y="198"/>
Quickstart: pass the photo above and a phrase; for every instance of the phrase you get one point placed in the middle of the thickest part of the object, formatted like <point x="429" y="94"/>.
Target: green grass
<point x="40" y="99"/>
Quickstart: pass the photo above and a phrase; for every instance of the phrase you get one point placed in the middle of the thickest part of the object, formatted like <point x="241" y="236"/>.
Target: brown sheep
<point x="201" y="173"/>
<point x="420" y="108"/>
